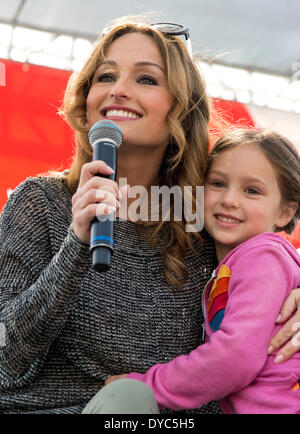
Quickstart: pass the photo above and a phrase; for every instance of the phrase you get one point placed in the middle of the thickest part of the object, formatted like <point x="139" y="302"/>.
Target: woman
<point x="68" y="327"/>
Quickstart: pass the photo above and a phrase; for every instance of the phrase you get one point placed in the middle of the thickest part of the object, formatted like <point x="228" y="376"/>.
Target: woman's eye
<point x="147" y="80"/>
<point x="105" y="78"/>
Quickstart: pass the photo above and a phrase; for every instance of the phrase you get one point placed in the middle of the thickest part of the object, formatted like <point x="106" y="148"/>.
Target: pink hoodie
<point x="241" y="304"/>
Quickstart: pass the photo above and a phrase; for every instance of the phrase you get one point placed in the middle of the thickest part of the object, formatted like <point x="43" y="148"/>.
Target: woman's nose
<point x="120" y="90"/>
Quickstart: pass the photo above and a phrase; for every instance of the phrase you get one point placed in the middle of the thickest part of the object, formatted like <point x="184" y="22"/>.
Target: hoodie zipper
<point x="203" y="304"/>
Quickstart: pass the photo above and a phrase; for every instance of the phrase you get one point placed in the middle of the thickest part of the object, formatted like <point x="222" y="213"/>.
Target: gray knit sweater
<point x="67" y="327"/>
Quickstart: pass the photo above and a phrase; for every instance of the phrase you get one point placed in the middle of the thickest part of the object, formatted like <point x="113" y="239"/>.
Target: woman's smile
<point x="120" y="113"/>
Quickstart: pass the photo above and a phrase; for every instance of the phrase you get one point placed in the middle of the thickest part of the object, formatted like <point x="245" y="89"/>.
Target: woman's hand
<point x="94" y="197"/>
<point x="290" y="332"/>
<point x="114" y="378"/>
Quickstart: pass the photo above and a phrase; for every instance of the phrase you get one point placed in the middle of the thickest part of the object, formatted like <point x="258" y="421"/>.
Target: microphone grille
<point x="105" y="129"/>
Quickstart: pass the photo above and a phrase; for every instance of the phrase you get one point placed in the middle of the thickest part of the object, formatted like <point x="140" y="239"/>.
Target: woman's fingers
<point x="89" y="170"/>
<point x="93" y="203"/>
<point x="291" y="304"/>
<point x="101" y="195"/>
<point x="82" y="222"/>
<point x="96" y="183"/>
<point x="96" y="196"/>
<point x="289" y="334"/>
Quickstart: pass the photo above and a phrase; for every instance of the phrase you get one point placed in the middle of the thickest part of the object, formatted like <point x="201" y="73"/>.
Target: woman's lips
<point x="121" y="113"/>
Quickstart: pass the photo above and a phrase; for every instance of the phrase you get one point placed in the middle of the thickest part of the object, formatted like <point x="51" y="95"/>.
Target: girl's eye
<point x="105" y="78"/>
<point x="217" y="184"/>
<point x="147" y="80"/>
<point x="252" y="191"/>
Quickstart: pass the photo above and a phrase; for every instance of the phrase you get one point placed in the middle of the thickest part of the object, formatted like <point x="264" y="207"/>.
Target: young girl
<point x="252" y="190"/>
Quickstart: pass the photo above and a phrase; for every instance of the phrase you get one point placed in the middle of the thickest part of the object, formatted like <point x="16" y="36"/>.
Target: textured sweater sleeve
<point x="236" y="353"/>
<point x="37" y="287"/>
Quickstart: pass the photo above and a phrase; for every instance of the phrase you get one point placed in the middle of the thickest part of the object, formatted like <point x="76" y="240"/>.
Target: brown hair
<point x="282" y="155"/>
<point x="186" y="156"/>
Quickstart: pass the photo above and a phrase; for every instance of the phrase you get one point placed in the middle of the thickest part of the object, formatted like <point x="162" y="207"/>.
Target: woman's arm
<point x="290" y="332"/>
<point x="37" y="287"/>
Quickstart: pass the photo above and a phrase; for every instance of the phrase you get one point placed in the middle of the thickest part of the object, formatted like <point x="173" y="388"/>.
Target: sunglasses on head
<point x="170" y="29"/>
<point x="177" y="30"/>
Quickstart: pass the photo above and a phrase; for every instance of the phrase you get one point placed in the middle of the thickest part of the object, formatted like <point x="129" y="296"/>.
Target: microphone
<point x="105" y="137"/>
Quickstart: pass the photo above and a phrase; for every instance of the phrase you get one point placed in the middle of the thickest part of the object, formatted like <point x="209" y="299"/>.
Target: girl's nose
<point x="230" y="199"/>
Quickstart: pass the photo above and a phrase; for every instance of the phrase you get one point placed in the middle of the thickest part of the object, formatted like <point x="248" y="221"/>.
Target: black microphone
<point x="105" y="137"/>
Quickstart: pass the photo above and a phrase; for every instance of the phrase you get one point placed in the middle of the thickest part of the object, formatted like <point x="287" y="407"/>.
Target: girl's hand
<point x="290" y="332"/>
<point x="94" y="197"/>
<point x="114" y="378"/>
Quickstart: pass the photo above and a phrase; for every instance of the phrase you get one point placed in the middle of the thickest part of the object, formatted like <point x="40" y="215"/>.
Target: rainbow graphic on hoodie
<point x="218" y="298"/>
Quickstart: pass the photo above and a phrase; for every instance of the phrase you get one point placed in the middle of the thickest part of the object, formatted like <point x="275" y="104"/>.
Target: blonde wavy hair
<point x="186" y="157"/>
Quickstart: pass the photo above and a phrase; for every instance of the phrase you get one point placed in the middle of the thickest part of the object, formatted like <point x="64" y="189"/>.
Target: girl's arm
<point x="237" y="352"/>
<point x="38" y="288"/>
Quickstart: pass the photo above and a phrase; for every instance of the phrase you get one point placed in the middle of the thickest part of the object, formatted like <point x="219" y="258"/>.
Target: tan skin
<point x="134" y="79"/>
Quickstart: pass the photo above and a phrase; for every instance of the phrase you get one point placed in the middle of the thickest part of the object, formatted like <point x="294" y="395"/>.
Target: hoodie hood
<point x="264" y="239"/>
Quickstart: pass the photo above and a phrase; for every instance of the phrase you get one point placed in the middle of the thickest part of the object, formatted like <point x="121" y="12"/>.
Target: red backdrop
<point x="35" y="139"/>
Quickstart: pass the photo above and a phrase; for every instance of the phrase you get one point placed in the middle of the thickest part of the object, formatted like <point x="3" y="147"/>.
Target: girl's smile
<point x="226" y="220"/>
